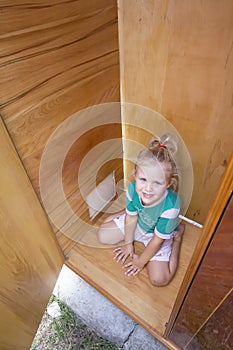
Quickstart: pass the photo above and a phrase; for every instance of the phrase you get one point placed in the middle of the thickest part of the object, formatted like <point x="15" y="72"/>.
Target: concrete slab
<point x="139" y="339"/>
<point x="99" y="313"/>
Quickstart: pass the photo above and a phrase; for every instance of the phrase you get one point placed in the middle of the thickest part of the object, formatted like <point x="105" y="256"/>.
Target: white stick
<point x="190" y="221"/>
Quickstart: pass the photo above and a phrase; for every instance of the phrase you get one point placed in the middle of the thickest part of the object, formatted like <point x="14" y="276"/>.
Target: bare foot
<point x="179" y="233"/>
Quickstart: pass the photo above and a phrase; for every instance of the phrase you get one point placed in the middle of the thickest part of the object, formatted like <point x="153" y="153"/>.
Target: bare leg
<point x="108" y="232"/>
<point x="161" y="272"/>
<point x="113" y="216"/>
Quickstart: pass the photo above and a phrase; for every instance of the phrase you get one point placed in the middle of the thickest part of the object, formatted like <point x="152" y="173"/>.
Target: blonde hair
<point x="162" y="149"/>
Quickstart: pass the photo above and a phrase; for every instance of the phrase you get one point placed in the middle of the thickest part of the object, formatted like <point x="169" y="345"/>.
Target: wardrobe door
<point x="204" y="321"/>
<point x="30" y="258"/>
<point x="217" y="332"/>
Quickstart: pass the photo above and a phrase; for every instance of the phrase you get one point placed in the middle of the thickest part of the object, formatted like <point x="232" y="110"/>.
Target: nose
<point x="148" y="186"/>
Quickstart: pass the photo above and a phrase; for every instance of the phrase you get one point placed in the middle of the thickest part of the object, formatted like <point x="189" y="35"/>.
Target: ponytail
<point x="163" y="149"/>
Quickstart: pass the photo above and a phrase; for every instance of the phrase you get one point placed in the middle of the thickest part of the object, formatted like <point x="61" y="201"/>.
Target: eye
<point x="142" y="179"/>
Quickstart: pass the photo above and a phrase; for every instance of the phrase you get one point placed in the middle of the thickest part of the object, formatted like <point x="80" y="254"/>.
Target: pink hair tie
<point x="161" y="145"/>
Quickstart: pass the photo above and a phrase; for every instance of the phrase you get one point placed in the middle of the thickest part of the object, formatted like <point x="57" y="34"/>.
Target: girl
<point x="151" y="215"/>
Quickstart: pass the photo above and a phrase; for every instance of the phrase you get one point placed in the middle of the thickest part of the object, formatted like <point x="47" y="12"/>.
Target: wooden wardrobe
<point x="85" y="68"/>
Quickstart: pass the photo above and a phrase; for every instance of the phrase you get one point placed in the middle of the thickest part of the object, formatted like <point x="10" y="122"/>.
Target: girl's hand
<point x="133" y="267"/>
<point x="123" y="252"/>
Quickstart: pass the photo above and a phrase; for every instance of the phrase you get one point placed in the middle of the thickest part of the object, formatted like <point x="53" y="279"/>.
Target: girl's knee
<point x="160" y="282"/>
<point x="158" y="273"/>
<point x="108" y="233"/>
<point x="102" y="237"/>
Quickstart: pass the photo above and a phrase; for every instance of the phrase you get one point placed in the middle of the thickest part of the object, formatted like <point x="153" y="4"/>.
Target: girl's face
<point x="152" y="182"/>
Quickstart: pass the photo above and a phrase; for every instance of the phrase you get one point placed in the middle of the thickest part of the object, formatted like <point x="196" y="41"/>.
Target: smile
<point x="147" y="195"/>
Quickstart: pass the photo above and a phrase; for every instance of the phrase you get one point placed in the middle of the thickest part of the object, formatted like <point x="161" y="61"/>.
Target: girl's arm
<point x="150" y="250"/>
<point x="139" y="261"/>
<point x="130" y="227"/>
<point x="126" y="250"/>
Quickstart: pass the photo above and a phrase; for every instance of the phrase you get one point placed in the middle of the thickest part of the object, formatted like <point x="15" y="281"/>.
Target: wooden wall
<point x="30" y="259"/>
<point x="57" y="57"/>
<point x="176" y="58"/>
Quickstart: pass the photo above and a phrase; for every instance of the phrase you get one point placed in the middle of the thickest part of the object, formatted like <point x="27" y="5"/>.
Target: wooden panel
<point x="96" y="265"/>
<point x="56" y="59"/>
<point x="217" y="332"/>
<point x="30" y="259"/>
<point x="212" y="283"/>
<point x="176" y="58"/>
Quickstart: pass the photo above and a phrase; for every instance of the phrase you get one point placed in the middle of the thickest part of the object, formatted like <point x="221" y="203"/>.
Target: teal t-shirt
<point x="162" y="218"/>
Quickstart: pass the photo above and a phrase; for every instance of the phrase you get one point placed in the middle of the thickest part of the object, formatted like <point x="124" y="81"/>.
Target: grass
<point x="66" y="332"/>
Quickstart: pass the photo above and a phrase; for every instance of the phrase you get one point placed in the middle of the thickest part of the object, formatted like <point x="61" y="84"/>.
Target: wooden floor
<point x="149" y="306"/>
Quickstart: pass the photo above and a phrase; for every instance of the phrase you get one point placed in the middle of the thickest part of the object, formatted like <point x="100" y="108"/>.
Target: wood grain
<point x="30" y="258"/>
<point x="176" y="58"/>
<point x="56" y="59"/>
